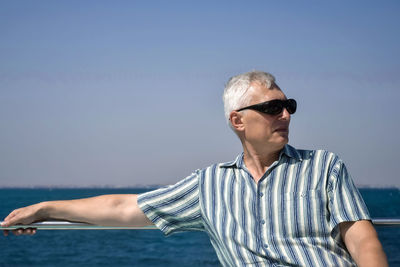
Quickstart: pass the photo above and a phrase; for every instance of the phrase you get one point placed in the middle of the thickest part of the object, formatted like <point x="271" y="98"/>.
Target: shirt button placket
<point x="262" y="212"/>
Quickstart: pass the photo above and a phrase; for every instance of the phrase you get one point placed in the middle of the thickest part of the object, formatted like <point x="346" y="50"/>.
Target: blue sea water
<point x="142" y="247"/>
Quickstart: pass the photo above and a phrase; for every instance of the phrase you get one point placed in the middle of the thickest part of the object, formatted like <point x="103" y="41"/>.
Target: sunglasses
<point x="274" y="107"/>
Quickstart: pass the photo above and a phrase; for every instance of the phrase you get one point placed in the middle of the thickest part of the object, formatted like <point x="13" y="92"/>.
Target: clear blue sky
<point x="125" y="93"/>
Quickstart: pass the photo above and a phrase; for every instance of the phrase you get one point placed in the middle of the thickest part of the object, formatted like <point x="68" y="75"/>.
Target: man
<point x="272" y="206"/>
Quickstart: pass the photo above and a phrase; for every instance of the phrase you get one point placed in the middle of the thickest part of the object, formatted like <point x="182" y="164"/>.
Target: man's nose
<point x="285" y="115"/>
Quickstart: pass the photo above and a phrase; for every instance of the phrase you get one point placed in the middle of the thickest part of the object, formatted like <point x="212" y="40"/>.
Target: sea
<point x="142" y="247"/>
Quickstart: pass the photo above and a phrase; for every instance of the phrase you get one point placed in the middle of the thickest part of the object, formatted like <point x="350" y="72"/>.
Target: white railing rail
<point x="65" y="225"/>
<point x="386" y="222"/>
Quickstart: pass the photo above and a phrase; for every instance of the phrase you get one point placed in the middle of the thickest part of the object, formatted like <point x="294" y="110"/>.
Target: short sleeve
<point x="345" y="201"/>
<point x="174" y="208"/>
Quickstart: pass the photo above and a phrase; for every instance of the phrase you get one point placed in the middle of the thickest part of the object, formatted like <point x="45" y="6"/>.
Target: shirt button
<point x="262" y="221"/>
<point x="261" y="194"/>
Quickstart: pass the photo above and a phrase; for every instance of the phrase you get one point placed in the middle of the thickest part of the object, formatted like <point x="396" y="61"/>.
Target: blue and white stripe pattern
<point x="288" y="218"/>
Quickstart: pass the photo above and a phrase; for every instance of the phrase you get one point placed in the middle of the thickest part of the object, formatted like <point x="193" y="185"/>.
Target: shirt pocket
<point x="306" y="213"/>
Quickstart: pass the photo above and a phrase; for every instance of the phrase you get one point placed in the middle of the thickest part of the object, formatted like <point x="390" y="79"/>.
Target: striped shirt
<point x="289" y="218"/>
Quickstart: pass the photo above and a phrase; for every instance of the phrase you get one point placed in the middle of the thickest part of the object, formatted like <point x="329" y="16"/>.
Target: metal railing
<point x="65" y="225"/>
<point x="386" y="222"/>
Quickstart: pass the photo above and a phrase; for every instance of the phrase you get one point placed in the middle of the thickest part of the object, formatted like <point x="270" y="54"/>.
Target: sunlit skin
<point x="263" y="136"/>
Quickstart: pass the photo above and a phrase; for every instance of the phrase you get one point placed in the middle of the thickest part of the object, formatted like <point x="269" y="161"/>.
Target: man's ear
<point x="236" y="121"/>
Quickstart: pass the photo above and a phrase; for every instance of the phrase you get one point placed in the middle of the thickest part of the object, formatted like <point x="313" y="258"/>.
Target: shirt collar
<point x="291" y="152"/>
<point x="238" y="162"/>
<point x="287" y="150"/>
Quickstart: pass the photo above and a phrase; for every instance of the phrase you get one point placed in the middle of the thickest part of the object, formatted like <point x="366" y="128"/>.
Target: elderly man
<point x="273" y="205"/>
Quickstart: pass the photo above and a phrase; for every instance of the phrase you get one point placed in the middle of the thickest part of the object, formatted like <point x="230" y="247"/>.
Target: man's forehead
<point x="261" y="92"/>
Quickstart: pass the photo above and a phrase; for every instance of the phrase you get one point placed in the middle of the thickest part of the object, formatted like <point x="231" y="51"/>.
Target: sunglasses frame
<point x="288" y="104"/>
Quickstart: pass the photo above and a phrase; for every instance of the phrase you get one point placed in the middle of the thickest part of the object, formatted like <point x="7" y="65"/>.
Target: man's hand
<point x="25" y="215"/>
<point x="27" y="231"/>
<point x="363" y="244"/>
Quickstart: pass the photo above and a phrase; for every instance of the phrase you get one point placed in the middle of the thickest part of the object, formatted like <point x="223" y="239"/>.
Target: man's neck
<point x="258" y="161"/>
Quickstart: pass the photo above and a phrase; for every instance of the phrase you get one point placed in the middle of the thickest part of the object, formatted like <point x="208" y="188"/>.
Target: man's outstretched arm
<point x="363" y="244"/>
<point x="105" y="210"/>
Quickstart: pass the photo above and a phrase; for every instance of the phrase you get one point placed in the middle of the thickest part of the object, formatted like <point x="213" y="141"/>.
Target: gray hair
<point x="236" y="93"/>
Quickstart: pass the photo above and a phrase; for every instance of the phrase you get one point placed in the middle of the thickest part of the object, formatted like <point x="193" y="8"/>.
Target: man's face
<point x="263" y="129"/>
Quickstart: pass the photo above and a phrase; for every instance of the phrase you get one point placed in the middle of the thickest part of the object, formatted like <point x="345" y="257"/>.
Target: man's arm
<point x="106" y="210"/>
<point x="363" y="244"/>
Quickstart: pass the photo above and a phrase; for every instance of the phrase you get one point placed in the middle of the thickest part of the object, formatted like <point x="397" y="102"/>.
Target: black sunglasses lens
<point x="274" y="107"/>
<point x="291" y="106"/>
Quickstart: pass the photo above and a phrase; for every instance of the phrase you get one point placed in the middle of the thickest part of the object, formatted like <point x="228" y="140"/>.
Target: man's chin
<point x="283" y="140"/>
<point x="283" y="137"/>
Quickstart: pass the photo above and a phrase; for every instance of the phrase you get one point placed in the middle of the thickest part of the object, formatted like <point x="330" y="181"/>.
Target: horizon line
<point x="142" y="186"/>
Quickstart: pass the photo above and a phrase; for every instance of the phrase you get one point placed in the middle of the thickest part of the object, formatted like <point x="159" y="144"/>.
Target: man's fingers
<point x="10" y="219"/>
<point x="30" y="231"/>
<point x="20" y="216"/>
<point x="20" y="231"/>
<point x="17" y="231"/>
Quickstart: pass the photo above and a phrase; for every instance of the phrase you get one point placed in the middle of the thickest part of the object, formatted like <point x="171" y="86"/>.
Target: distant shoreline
<point x="83" y="187"/>
<point x="155" y="186"/>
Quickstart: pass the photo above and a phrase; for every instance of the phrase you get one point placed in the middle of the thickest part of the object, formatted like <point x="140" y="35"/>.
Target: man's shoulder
<point x="313" y="154"/>
<point x="217" y="167"/>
